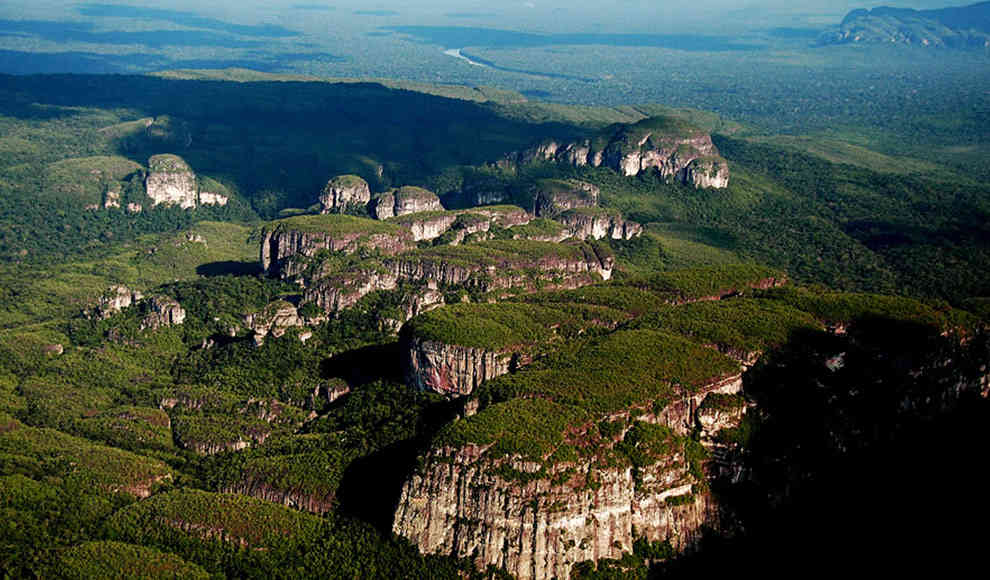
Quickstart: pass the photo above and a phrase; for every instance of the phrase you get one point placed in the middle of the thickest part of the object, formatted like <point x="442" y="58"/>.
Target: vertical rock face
<point x="405" y="200"/>
<point x="452" y="369"/>
<point x="171" y="181"/>
<point x="597" y="223"/>
<point x="665" y="145"/>
<point x="115" y="299"/>
<point x="342" y="191"/>
<point x="274" y="319"/>
<point x="289" y="243"/>
<point x="163" y="311"/>
<point x="537" y="521"/>
<point x="706" y="172"/>
<point x="554" y="196"/>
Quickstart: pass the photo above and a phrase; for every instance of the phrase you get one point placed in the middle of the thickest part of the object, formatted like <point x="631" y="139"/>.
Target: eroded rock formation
<point x="672" y="148"/>
<point x="163" y="311"/>
<point x="404" y="200"/>
<point x="171" y="181"/>
<point x="597" y="223"/>
<point x="343" y="191"/>
<point x="537" y="520"/>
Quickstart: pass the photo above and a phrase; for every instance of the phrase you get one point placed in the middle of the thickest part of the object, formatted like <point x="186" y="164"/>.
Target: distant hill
<point x="963" y="27"/>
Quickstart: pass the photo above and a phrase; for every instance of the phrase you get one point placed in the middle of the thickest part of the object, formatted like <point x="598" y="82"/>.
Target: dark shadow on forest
<point x="364" y="365"/>
<point x="229" y="268"/>
<point x="846" y="478"/>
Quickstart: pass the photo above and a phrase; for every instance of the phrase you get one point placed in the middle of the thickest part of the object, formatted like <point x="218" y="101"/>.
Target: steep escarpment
<point x="486" y="268"/>
<point x="563" y="473"/>
<point x="617" y="443"/>
<point x="343" y="192"/>
<point x="453" y="226"/>
<point x="288" y="244"/>
<point x="170" y="181"/>
<point x="598" y="223"/>
<point x="404" y="200"/>
<point x="454" y="349"/>
<point x="670" y="147"/>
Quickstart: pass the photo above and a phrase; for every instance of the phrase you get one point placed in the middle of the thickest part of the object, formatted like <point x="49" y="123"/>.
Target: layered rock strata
<point x="536" y="521"/>
<point x="502" y="269"/>
<point x="288" y="244"/>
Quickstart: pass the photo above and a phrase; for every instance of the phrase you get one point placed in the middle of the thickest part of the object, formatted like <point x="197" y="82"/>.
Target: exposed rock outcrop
<point x="171" y="181"/>
<point x="672" y="148"/>
<point x="537" y="520"/>
<point x="487" y="267"/>
<point x="163" y="311"/>
<point x="404" y="200"/>
<point x="343" y="191"/>
<point x="274" y="319"/>
<point x="288" y="244"/>
<point x="461" y="223"/>
<point x="452" y="369"/>
<point x="597" y="223"/>
<point x="555" y="196"/>
<point x="115" y="299"/>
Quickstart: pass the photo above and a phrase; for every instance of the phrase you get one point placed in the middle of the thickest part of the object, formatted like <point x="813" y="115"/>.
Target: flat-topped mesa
<point x="289" y="244"/>
<point x="404" y="200"/>
<point x="574" y="460"/>
<point x="671" y="147"/>
<point x="342" y="192"/>
<point x="453" y="350"/>
<point x="171" y="181"/>
<point x="555" y="196"/>
<point x="430" y="225"/>
<point x="522" y="265"/>
<point x="486" y="267"/>
<point x="597" y="223"/>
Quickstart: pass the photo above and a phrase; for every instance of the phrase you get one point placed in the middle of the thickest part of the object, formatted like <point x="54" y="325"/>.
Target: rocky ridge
<point x="671" y="148"/>
<point x="963" y="27"/>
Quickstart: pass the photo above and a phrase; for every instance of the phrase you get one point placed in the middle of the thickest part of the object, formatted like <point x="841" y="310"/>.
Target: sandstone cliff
<point x="115" y="299"/>
<point x="555" y="196"/>
<point x="171" y="181"/>
<point x="671" y="148"/>
<point x="451" y="369"/>
<point x="404" y="200"/>
<point x="536" y="519"/>
<point x="598" y="223"/>
<point x="288" y="244"/>
<point x="487" y="267"/>
<point x="343" y="191"/>
<point x="163" y="311"/>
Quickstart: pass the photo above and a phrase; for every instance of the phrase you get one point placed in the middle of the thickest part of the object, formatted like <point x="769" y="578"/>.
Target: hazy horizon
<point x="639" y="16"/>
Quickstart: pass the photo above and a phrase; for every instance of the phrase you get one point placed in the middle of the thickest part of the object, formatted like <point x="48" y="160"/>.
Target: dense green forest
<point x="198" y="449"/>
